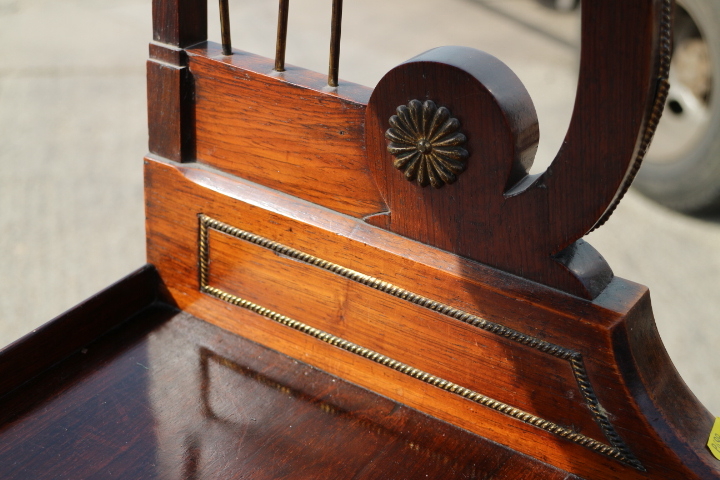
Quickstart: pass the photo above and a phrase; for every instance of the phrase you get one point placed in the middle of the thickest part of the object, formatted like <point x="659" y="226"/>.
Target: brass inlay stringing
<point x="661" y="94"/>
<point x="617" y="448"/>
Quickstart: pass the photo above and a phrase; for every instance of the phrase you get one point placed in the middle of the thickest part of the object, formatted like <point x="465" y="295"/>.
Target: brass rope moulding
<point x="427" y="144"/>
<point x="661" y="95"/>
<point x="617" y="448"/>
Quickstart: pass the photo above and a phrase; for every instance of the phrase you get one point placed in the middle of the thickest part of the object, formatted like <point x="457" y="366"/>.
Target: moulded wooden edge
<point x="348" y="91"/>
<point x="57" y="339"/>
<point x="598" y="322"/>
<point x="618" y="298"/>
<point x="310" y="139"/>
<point x="680" y="419"/>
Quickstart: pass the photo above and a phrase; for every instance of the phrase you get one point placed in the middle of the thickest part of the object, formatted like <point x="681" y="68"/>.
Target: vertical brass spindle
<point x="225" y="27"/>
<point x="281" y="35"/>
<point x="335" y="43"/>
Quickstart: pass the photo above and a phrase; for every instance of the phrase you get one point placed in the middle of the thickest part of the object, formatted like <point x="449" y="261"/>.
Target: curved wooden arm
<point x="621" y="91"/>
<point x="495" y="213"/>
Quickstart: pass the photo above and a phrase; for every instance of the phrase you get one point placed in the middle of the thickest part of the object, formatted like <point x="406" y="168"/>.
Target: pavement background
<point x="73" y="133"/>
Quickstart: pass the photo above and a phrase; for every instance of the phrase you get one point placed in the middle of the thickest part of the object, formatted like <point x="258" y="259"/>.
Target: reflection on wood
<point x="485" y="361"/>
<point x="170" y="396"/>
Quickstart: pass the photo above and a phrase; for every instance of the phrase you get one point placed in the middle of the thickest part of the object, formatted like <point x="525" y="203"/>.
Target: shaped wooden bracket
<point x="495" y="212"/>
<point x="295" y="226"/>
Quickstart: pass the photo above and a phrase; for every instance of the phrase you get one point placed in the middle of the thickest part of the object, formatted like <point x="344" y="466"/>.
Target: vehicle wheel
<point x="682" y="167"/>
<point x="561" y="5"/>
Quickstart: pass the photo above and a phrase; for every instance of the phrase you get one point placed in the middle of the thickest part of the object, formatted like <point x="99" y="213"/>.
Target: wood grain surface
<point x="32" y="354"/>
<point x="181" y="23"/>
<point x="285" y="225"/>
<point x="170" y="396"/>
<point x="170" y="125"/>
<point x="481" y="215"/>
<point x="294" y="231"/>
<point x="497" y="214"/>
<point x="289" y="132"/>
<point x="602" y="333"/>
<point x="283" y="130"/>
<point x="505" y="370"/>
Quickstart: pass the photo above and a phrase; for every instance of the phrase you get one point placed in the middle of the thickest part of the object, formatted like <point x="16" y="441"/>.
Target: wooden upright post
<point x="177" y="24"/>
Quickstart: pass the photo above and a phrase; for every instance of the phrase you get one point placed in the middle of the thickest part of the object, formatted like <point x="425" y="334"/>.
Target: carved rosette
<point x="427" y="144"/>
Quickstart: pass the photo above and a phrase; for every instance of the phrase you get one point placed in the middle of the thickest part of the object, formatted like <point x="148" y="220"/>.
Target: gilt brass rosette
<point x="427" y="144"/>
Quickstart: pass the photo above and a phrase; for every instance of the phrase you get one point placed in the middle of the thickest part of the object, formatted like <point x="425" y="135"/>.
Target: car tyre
<point x="561" y="5"/>
<point x="682" y="167"/>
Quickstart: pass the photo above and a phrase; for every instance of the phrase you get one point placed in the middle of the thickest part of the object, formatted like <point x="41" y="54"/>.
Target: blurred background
<point x="73" y="134"/>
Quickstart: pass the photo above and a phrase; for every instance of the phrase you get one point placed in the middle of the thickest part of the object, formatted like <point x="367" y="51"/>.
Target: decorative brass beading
<point x="661" y="95"/>
<point x="427" y="144"/>
<point x="617" y="448"/>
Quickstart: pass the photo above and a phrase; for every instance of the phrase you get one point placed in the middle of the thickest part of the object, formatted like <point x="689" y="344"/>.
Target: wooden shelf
<point x="166" y="395"/>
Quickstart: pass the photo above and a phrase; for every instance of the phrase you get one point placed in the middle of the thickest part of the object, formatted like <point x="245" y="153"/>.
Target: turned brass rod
<point x="225" y="28"/>
<point x="281" y="35"/>
<point x="335" y="43"/>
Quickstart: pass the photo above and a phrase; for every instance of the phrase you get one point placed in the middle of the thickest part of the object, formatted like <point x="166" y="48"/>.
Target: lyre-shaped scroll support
<point x="294" y="180"/>
<point x="495" y="212"/>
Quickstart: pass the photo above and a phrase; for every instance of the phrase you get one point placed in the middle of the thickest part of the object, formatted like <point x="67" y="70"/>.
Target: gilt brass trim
<point x="661" y="94"/>
<point x="617" y="448"/>
<point x="427" y="144"/>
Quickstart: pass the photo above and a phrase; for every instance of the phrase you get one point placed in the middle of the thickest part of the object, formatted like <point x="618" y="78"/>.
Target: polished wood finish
<point x="170" y="111"/>
<point x="486" y="215"/>
<point x="251" y="120"/>
<point x="167" y="54"/>
<point x="464" y="332"/>
<point x="287" y="132"/>
<point x="170" y="396"/>
<point x="57" y="339"/>
<point x="603" y="335"/>
<point x="180" y="23"/>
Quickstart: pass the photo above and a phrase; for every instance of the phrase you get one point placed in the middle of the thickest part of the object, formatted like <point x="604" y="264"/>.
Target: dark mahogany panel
<point x="170" y="396"/>
<point x="55" y="340"/>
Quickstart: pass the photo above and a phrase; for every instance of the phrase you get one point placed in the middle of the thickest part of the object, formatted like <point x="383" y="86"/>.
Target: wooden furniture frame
<point x="449" y="319"/>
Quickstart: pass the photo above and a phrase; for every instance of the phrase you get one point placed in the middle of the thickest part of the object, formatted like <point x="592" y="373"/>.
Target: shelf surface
<point x="166" y="395"/>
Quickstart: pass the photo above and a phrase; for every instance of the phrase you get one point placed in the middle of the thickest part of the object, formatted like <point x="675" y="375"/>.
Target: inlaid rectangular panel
<point x="481" y="361"/>
<point x="483" y="350"/>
